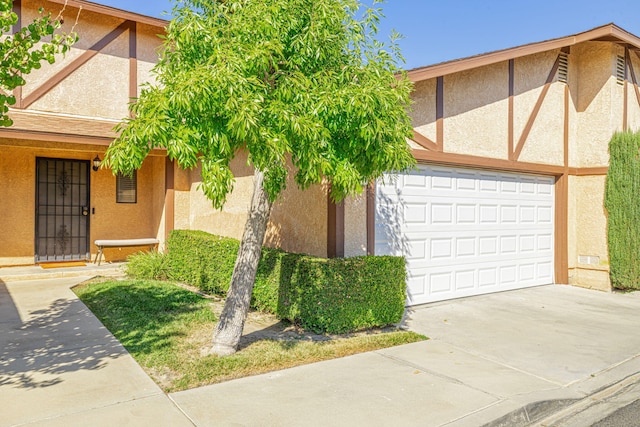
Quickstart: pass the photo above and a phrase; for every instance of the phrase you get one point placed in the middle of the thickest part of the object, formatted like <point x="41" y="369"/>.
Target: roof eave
<point x="611" y="31"/>
<point x="112" y="11"/>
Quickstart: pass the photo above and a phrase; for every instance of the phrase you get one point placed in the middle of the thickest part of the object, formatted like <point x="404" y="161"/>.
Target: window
<point x="126" y="188"/>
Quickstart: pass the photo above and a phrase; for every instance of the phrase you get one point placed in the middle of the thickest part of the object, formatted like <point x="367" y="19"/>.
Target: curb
<point x="549" y="412"/>
<point x="531" y="413"/>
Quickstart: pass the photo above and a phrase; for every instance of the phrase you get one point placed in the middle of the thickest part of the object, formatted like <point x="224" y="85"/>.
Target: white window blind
<point x="126" y="188"/>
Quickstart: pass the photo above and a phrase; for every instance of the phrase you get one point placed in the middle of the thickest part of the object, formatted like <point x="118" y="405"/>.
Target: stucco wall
<point x="298" y="221"/>
<point x="355" y="225"/>
<point x="110" y="221"/>
<point x="17" y="206"/>
<point x="476" y="111"/>
<point x="598" y="116"/>
<point x="423" y="109"/>
<point x="590" y="257"/>
<point x="545" y="142"/>
<point x="148" y="47"/>
<point x="100" y="87"/>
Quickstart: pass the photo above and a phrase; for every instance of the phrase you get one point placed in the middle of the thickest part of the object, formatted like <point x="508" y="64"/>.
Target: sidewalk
<point x="60" y="367"/>
<point x="505" y="359"/>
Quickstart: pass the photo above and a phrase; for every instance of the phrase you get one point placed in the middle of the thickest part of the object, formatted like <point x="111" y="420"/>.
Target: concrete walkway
<point x="60" y="367"/>
<point x="505" y="359"/>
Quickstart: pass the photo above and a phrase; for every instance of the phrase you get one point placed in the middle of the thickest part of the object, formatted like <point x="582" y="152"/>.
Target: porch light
<point x="96" y="163"/>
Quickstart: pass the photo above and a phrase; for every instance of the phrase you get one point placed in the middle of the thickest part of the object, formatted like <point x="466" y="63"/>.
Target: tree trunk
<point x="229" y="328"/>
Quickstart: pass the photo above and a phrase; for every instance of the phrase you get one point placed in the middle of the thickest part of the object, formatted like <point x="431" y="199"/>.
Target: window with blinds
<point x="127" y="188"/>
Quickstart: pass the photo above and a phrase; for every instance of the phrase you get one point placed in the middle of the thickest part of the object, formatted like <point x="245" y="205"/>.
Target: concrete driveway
<point x="505" y="359"/>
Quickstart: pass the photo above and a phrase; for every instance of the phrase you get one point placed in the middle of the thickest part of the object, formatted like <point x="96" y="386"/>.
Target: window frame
<point x="130" y="182"/>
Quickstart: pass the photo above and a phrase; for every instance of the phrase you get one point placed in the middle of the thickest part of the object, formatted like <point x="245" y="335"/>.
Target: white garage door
<point x="466" y="232"/>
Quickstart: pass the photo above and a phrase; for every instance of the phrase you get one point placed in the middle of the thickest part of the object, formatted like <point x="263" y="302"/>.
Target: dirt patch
<point x="266" y="326"/>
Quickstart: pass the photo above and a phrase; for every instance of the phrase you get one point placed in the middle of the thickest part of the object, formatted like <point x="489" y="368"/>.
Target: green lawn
<point x="168" y="329"/>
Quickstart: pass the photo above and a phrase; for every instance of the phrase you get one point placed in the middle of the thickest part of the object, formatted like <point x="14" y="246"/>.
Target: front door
<point x="62" y="210"/>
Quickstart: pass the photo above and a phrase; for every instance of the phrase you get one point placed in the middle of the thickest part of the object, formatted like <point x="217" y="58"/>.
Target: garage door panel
<point x="467" y="232"/>
<point x="445" y="249"/>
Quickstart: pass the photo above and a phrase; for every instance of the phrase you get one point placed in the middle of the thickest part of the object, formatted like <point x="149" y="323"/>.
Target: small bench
<point x="101" y="244"/>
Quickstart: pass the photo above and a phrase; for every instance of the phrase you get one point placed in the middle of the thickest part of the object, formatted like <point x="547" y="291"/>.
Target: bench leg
<point x="99" y="255"/>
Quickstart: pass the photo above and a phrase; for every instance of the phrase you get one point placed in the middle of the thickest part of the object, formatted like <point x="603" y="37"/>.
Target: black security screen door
<point x="62" y="210"/>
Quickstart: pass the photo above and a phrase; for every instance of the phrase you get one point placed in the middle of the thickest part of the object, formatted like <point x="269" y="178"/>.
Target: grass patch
<point x="167" y="329"/>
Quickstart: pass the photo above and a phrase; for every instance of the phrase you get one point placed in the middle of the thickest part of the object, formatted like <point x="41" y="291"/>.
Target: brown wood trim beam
<point x="133" y="61"/>
<point x="478" y="162"/>
<point x="74" y="65"/>
<point x="561" y="230"/>
<point x="590" y="171"/>
<point x="54" y="137"/>
<point x="423" y="141"/>
<point x="440" y="113"/>
<point x="511" y="94"/>
<point x="169" y="197"/>
<point x="371" y="219"/>
<point x="17" y="9"/>
<point x="625" y="90"/>
<point x="331" y="226"/>
<point x="536" y="109"/>
<point x="335" y="228"/>
<point x="634" y="80"/>
<point x="566" y="126"/>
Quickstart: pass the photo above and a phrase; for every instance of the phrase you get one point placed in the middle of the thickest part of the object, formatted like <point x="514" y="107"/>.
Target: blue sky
<point x="437" y="31"/>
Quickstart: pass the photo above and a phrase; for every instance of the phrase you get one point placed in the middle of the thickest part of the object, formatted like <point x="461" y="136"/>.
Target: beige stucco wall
<point x="355" y="225"/>
<point x="100" y="87"/>
<point x="230" y="220"/>
<point x="476" y="105"/>
<point x="598" y="101"/>
<point x="148" y="47"/>
<point x="298" y="221"/>
<point x="588" y="254"/>
<point x="545" y="142"/>
<point x="110" y="221"/>
<point x="423" y="109"/>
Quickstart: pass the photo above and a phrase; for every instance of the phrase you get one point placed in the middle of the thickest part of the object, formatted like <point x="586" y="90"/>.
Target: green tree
<point x="25" y="50"/>
<point x="303" y="81"/>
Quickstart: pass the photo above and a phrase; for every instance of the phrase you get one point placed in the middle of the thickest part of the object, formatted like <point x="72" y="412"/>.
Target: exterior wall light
<point x="96" y="163"/>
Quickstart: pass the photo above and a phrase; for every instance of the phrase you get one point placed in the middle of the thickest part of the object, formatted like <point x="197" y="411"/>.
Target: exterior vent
<point x="563" y="67"/>
<point x="621" y="68"/>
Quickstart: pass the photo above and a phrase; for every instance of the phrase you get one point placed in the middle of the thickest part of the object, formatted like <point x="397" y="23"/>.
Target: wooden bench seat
<point x="122" y="243"/>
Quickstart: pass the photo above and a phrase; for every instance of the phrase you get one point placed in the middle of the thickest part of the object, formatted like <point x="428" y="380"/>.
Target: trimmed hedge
<point x="342" y="294"/>
<point x="336" y="295"/>
<point x="623" y="207"/>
